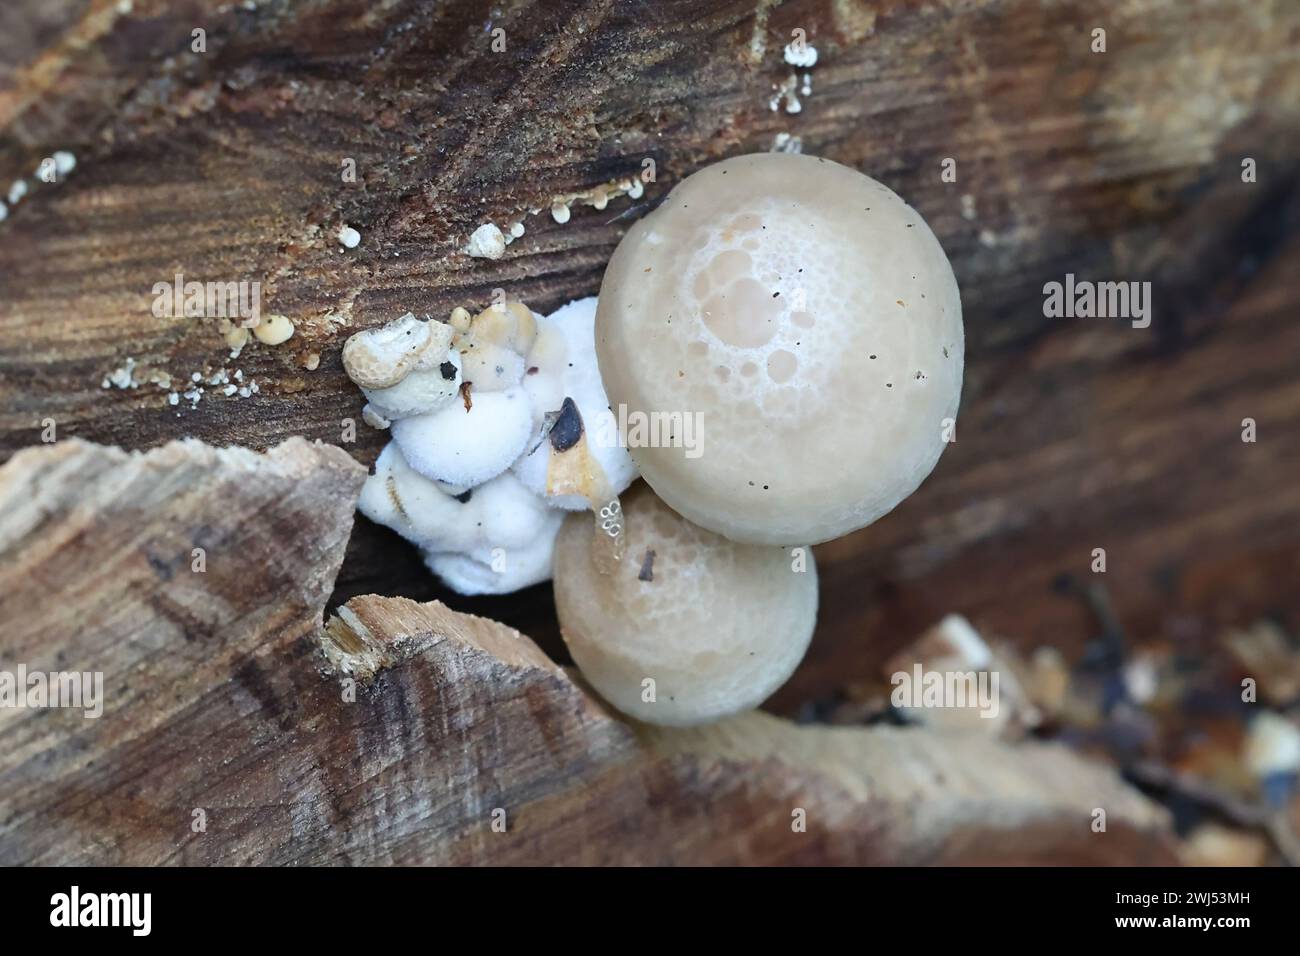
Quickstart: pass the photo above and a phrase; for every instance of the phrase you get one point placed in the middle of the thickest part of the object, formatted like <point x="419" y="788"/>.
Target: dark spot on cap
<point x="567" y="429"/>
<point x="448" y="370"/>
<point x="464" y="496"/>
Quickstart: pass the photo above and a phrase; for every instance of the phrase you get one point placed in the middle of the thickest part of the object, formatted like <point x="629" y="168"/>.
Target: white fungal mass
<point x="468" y="475"/>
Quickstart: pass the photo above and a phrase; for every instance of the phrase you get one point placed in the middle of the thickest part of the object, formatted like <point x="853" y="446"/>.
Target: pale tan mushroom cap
<point x="718" y="626"/>
<point x="812" y="319"/>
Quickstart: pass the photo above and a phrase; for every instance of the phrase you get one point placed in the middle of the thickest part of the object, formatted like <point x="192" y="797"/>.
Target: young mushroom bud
<point x="809" y="320"/>
<point x="689" y="626"/>
<point x="500" y="513"/>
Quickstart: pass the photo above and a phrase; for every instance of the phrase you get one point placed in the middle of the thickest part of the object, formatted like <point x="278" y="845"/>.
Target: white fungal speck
<point x="349" y="238"/>
<point x="486" y="242"/>
<point x="801" y="55"/>
<point x="785" y="143"/>
<point x="4" y="212"/>
<point x="17" y="191"/>
<point x="196" y="377"/>
<point x="787" y="92"/>
<point x="560" y="212"/>
<point x="173" y="399"/>
<point x="229" y="390"/>
<point x="123" y="377"/>
<point x="516" y="229"/>
<point x="64" y="162"/>
<point x="636" y="190"/>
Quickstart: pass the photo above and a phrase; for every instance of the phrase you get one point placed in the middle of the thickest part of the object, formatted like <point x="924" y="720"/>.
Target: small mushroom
<point x="382" y="357"/>
<point x="810" y="320"/>
<point x="467" y="447"/>
<point x="712" y="627"/>
<point x="486" y="242"/>
<point x="494" y="344"/>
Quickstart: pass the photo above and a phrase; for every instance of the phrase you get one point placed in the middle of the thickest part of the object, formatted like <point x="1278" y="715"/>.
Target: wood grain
<point x="235" y="730"/>
<point x="1074" y="434"/>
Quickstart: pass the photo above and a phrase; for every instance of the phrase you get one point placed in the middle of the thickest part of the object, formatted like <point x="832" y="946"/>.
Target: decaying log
<point x="236" y="729"/>
<point x="1074" y="434"/>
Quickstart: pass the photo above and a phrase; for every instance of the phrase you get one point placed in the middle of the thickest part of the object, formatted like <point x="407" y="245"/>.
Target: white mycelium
<point x="474" y="475"/>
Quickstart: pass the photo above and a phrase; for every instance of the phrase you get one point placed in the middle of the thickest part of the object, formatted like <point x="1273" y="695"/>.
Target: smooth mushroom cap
<point x="716" y="625"/>
<point x="811" y="319"/>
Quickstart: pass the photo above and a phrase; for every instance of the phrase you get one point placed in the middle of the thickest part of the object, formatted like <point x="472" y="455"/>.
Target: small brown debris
<point x="647" y="572"/>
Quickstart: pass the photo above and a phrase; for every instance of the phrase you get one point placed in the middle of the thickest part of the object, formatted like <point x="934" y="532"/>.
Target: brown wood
<point x="393" y="735"/>
<point x="1074" y="434"/>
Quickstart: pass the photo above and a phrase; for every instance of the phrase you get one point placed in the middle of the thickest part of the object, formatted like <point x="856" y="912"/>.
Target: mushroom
<point x="494" y="344"/>
<point x="688" y="626"/>
<point x="273" y="330"/>
<point x="464" y="445"/>
<point x="810" y="320"/>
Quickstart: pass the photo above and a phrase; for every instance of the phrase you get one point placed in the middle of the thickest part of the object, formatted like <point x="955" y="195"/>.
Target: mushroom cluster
<point x="799" y="312"/>
<point x="489" y="416"/>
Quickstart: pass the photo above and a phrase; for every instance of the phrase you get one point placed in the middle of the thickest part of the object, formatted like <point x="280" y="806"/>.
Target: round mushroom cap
<point x="808" y="322"/>
<point x="717" y="626"/>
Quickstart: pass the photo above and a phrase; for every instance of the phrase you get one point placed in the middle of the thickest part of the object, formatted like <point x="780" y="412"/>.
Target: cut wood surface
<point x="235" y="729"/>
<point x="1074" y="434"/>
